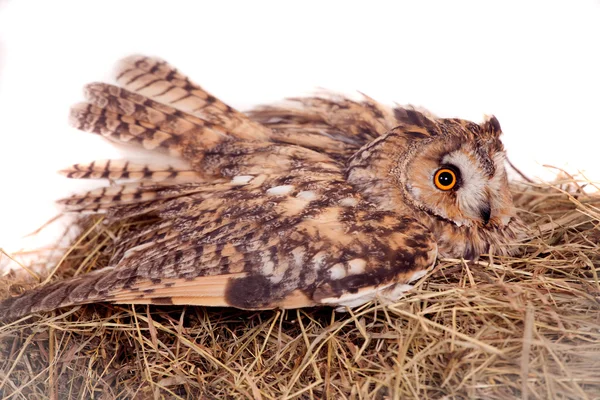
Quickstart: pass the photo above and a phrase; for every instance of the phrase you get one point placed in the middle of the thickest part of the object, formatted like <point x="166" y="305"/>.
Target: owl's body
<point x="326" y="201"/>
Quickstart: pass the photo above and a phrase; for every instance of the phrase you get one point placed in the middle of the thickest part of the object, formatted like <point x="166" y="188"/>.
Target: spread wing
<point x="159" y="81"/>
<point x="279" y="255"/>
<point x="252" y="224"/>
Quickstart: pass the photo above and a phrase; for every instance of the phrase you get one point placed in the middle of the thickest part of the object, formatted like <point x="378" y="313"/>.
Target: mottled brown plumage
<point x="322" y="201"/>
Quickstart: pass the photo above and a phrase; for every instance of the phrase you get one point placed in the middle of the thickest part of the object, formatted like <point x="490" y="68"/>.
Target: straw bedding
<point x="498" y="328"/>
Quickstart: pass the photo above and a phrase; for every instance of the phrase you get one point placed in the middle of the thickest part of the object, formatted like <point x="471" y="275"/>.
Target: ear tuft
<point x="492" y="126"/>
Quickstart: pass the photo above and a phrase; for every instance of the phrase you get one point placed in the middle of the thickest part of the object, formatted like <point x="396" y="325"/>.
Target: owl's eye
<point x="445" y="178"/>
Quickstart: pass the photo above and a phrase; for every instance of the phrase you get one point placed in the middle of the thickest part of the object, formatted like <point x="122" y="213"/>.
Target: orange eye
<point x="444" y="179"/>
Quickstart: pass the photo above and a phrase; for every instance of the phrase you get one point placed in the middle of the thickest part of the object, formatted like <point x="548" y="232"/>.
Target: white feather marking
<point x="241" y="179"/>
<point x="280" y="190"/>
<point x="356" y="266"/>
<point x="348" y="202"/>
<point x="298" y="253"/>
<point x="394" y="293"/>
<point x="319" y="259"/>
<point x="267" y="267"/>
<point x="337" y="271"/>
<point x="307" y="195"/>
<point x="359" y="298"/>
<point x="417" y="275"/>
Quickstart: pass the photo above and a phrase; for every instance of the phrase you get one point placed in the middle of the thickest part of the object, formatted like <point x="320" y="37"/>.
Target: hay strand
<point x="498" y="328"/>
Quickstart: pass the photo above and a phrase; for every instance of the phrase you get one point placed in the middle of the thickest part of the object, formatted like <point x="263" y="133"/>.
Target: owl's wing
<point x="157" y="80"/>
<point x="304" y="242"/>
<point x="250" y="224"/>
<point x="253" y="225"/>
<point x="330" y="123"/>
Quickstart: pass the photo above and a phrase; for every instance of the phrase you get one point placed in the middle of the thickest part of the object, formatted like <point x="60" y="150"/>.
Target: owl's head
<point x="454" y="169"/>
<point x="450" y="175"/>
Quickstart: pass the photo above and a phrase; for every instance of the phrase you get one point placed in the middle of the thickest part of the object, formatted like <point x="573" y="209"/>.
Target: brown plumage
<point x="322" y="201"/>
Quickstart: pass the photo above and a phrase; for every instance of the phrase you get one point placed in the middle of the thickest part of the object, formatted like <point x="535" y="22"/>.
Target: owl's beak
<point x="485" y="212"/>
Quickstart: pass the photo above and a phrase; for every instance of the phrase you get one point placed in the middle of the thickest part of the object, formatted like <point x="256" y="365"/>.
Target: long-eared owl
<point x="320" y="201"/>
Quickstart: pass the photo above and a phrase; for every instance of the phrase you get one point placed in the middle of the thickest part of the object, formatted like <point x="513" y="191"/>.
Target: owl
<point x="320" y="201"/>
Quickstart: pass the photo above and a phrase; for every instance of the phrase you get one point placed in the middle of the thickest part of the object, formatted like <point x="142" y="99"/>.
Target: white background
<point x="533" y="64"/>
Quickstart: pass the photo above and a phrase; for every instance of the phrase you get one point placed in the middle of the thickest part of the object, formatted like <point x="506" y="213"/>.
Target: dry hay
<point x="505" y="328"/>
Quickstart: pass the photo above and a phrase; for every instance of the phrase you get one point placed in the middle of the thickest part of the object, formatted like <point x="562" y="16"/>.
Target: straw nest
<point x="498" y="328"/>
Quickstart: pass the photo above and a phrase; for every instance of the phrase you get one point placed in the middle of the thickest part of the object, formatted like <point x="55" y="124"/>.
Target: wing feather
<point x="121" y="170"/>
<point x="127" y="129"/>
<point x="109" y="197"/>
<point x="160" y="81"/>
<point x="330" y="123"/>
